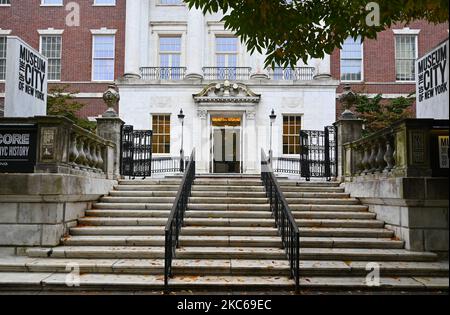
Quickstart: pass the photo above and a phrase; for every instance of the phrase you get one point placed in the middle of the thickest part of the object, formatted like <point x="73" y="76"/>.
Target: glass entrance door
<point x="226" y="140"/>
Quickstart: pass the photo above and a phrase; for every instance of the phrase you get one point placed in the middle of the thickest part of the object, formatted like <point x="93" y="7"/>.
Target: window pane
<point x="110" y="2"/>
<point x="51" y="48"/>
<point x="405" y="55"/>
<point x="351" y="60"/>
<point x="103" y="46"/>
<point x="161" y="133"/>
<point x="2" y="57"/>
<point x="103" y="62"/>
<point x="103" y="70"/>
<point x="291" y="130"/>
<point x="52" y="2"/>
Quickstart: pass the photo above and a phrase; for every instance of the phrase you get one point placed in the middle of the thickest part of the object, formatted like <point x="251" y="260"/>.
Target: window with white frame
<point x="51" y="48"/>
<point x="52" y="2"/>
<point x="405" y="56"/>
<point x="291" y="134"/>
<point x="226" y="57"/>
<point x="171" y="2"/>
<point x="103" y="57"/>
<point x="3" y="2"/>
<point x="105" y="2"/>
<point x="161" y="133"/>
<point x="2" y="57"/>
<point x="170" y="57"/>
<point x="351" y="60"/>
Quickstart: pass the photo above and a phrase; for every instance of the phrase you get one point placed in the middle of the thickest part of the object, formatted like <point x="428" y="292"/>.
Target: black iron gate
<point x="136" y="152"/>
<point x="318" y="153"/>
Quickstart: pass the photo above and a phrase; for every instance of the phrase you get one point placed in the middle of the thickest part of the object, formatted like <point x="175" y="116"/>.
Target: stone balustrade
<point x="404" y="149"/>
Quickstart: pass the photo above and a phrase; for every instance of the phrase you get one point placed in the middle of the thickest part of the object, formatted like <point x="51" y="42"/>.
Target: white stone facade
<point x="312" y="97"/>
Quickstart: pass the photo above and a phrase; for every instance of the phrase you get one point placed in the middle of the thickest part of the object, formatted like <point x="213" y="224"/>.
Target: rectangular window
<point x="51" y="48"/>
<point x="405" y="56"/>
<point x="170" y="2"/>
<point x="226" y="57"/>
<point x="161" y="134"/>
<point x="2" y="57"/>
<point x="52" y="2"/>
<point x="170" y="57"/>
<point x="105" y="2"/>
<point x="2" y="2"/>
<point x="103" y="57"/>
<point x="291" y="134"/>
<point x="351" y="60"/>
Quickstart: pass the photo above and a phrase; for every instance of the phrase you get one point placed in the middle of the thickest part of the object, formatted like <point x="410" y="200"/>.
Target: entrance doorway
<point x="226" y="145"/>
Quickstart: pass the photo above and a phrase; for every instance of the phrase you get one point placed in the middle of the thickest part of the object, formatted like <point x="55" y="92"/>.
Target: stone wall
<point x="37" y="209"/>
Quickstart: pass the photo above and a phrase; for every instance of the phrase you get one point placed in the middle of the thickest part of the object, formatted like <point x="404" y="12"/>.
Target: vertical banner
<point x="26" y="80"/>
<point x="432" y="83"/>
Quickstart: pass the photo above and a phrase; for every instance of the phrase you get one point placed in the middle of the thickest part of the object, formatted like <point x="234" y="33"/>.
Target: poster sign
<point x="432" y="83"/>
<point x="443" y="151"/>
<point x="17" y="148"/>
<point x="26" y="80"/>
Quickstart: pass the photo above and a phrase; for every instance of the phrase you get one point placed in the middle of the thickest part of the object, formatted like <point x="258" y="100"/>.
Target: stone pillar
<point x="132" y="35"/>
<point x="251" y="143"/>
<point x="195" y="36"/>
<point x="349" y="128"/>
<point x="323" y="69"/>
<point x="204" y="142"/>
<point x="109" y="127"/>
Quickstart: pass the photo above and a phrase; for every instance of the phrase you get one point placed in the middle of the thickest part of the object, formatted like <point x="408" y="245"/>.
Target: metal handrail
<point x="176" y="217"/>
<point x="287" y="227"/>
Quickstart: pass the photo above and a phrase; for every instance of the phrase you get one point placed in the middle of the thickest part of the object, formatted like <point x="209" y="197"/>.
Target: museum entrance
<point x="226" y="145"/>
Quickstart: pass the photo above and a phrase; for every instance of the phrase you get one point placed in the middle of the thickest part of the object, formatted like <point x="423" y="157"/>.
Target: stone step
<point x="308" y="268"/>
<point x="340" y="223"/>
<point x="232" y="207"/>
<point x="220" y="222"/>
<point x="141" y="252"/>
<point x="132" y="193"/>
<point x="227" y="200"/>
<point x="228" y="182"/>
<point x="329" y="195"/>
<point x="228" y="231"/>
<point x="104" y="221"/>
<point x="146" y="187"/>
<point x="307" y="184"/>
<point x="213" y="188"/>
<point x="229" y="194"/>
<point x="333" y="215"/>
<point x="327" y="208"/>
<point x="189" y="252"/>
<point x="132" y="206"/>
<point x="185" y="240"/>
<point x="145" y="182"/>
<point x="189" y="214"/>
<point x="242" y="241"/>
<point x="129" y="282"/>
<point x="110" y="199"/>
<point x="345" y="232"/>
<point x="296" y="189"/>
<point x="117" y="230"/>
<point x="322" y="201"/>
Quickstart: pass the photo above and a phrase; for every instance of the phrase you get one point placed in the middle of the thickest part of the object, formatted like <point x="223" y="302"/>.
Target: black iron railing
<point x="287" y="227"/>
<point x="136" y="152"/>
<point x="163" y="73"/>
<point x="286" y="165"/>
<point x="226" y="73"/>
<point x="175" y="221"/>
<point x="167" y="164"/>
<point x="295" y="74"/>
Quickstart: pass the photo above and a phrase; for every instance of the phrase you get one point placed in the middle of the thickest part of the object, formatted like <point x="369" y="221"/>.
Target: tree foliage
<point x="60" y="102"/>
<point x="290" y="30"/>
<point x="379" y="113"/>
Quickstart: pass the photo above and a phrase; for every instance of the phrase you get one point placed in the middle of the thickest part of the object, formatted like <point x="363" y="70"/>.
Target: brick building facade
<point x="380" y="60"/>
<point x="50" y="19"/>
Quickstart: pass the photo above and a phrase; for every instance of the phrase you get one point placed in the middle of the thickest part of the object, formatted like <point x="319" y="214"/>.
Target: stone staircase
<point x="229" y="242"/>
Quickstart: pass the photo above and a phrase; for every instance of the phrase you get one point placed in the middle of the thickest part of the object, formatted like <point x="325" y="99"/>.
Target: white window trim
<point x="158" y="3"/>
<point x="405" y="31"/>
<point x="40" y="51"/>
<point x="103" y="31"/>
<point x="161" y="29"/>
<point x="50" y="31"/>
<point x="5" y="4"/>
<point x="92" y="60"/>
<point x="158" y="53"/>
<point x="52" y="4"/>
<point x="4" y="32"/>
<point x="95" y="4"/>
<point x="362" y="68"/>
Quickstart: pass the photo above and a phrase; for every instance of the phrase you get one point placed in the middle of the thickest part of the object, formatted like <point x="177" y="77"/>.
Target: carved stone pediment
<point x="227" y="92"/>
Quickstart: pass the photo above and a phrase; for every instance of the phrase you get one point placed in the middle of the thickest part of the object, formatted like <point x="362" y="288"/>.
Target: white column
<point x="251" y="143"/>
<point x="195" y="47"/>
<point x="132" y="36"/>
<point x="202" y="143"/>
<point x="323" y="68"/>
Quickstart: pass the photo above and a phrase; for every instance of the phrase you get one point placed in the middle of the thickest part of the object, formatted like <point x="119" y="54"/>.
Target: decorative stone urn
<point x="348" y="99"/>
<point x="111" y="98"/>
